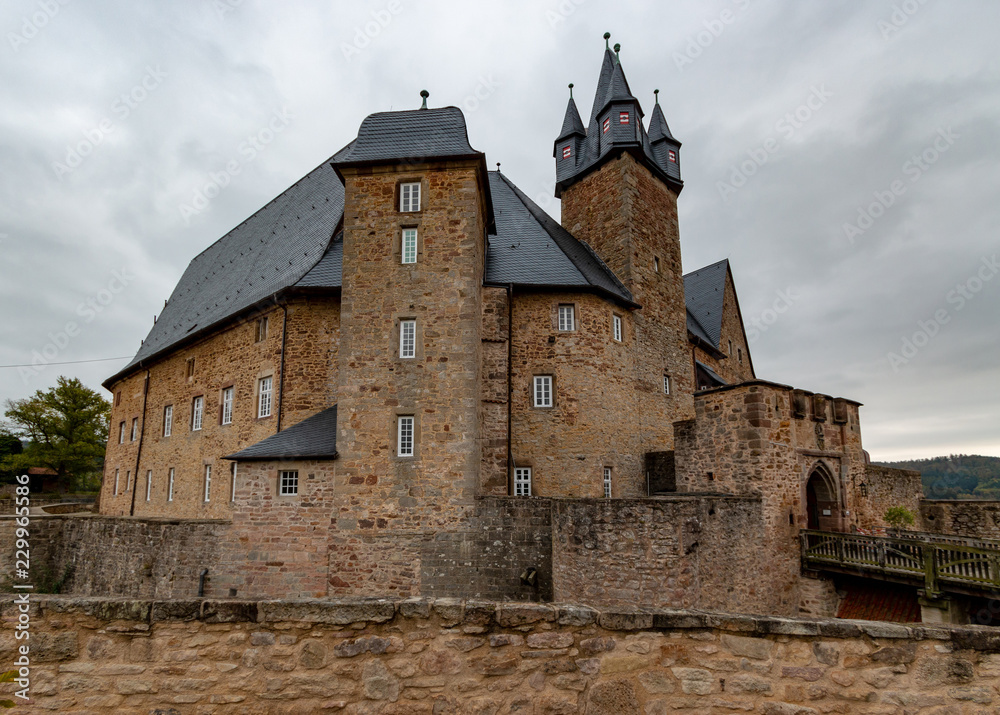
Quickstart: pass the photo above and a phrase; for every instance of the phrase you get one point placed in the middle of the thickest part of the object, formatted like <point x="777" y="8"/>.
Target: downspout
<point x="281" y="367"/>
<point x="138" y="451"/>
<point x="510" y="387"/>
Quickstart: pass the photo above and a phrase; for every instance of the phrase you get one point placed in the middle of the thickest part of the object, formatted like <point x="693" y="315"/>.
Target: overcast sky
<point x="796" y="117"/>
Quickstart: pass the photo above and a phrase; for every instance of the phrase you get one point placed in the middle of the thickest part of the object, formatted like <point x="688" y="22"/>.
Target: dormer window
<point x="409" y="197"/>
<point x="672" y="156"/>
<point x="607" y="125"/>
<point x="623" y="118"/>
<point x="567" y="151"/>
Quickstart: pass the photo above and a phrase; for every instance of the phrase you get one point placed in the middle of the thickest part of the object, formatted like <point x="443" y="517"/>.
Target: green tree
<point x="67" y="426"/>
<point x="10" y="444"/>
<point x="899" y="517"/>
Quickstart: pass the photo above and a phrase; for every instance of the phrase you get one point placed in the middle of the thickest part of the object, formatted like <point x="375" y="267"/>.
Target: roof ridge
<point x="710" y="265"/>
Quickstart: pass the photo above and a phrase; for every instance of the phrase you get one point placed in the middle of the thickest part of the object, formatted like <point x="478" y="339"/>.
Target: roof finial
<point x="607" y="36"/>
<point x="425" y="94"/>
<point x="618" y="47"/>
<point x="656" y="96"/>
<point x="571" y="90"/>
<point x="498" y="167"/>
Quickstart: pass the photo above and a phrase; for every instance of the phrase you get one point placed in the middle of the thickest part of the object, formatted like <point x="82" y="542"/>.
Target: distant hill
<point x="957" y="476"/>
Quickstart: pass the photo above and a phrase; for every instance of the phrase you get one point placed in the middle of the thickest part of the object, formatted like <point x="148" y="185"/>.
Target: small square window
<point x="739" y="352"/>
<point x="404" y="436"/>
<point x="522" y="481"/>
<point x="607" y="482"/>
<point x="672" y="156"/>
<point x="623" y="118"/>
<point x="567" y="318"/>
<point x="407" y="338"/>
<point x="730" y="347"/>
<point x="409" y="197"/>
<point x="409" y="245"/>
<point x="607" y="125"/>
<point x="168" y="420"/>
<point x="190" y="368"/>
<point x="289" y="486"/>
<point x="227" y="406"/>
<point x="264" y="397"/>
<point x="118" y="398"/>
<point x="666" y="384"/>
<point x="121" y="432"/>
<point x="208" y="482"/>
<point x="135" y="429"/>
<point x="543" y="391"/>
<point x="197" y="412"/>
<point x="261" y="330"/>
<point x="567" y="151"/>
<point x="616" y="327"/>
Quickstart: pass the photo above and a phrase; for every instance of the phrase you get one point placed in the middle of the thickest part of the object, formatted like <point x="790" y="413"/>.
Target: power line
<point x="70" y="362"/>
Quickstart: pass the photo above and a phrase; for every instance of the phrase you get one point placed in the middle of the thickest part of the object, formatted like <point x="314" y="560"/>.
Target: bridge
<point x="937" y="563"/>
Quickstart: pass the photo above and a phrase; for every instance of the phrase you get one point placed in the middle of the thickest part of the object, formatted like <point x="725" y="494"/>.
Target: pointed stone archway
<point x="823" y="509"/>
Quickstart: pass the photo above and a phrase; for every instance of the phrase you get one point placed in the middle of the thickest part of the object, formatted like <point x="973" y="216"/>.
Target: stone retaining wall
<point x="962" y="517"/>
<point x="453" y="656"/>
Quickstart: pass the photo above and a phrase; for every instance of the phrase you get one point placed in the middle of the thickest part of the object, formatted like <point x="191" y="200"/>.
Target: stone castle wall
<point x="887" y="487"/>
<point x="962" y="517"/>
<point x="454" y="656"/>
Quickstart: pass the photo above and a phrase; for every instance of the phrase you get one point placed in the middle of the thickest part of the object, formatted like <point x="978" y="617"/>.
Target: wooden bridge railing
<point x="935" y="563"/>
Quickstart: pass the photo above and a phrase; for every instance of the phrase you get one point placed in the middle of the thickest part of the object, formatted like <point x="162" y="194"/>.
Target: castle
<point x="402" y="377"/>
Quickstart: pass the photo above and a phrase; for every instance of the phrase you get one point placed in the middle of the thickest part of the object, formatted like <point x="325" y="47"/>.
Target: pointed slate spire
<point x="658" y="128"/>
<point x="666" y="149"/>
<point x="618" y="89"/>
<point x="604" y="80"/>
<point x="572" y="124"/>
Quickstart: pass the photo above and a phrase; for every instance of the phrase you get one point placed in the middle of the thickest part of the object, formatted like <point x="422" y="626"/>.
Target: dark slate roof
<point x="313" y="438"/>
<point x="531" y="248"/>
<point x="711" y="373"/>
<point x="603" y="83"/>
<point x="618" y="89"/>
<point x="658" y="128"/>
<point x="268" y="252"/>
<point x="327" y="273"/>
<point x="704" y="294"/>
<point x="572" y="124"/>
<point x="413" y="135"/>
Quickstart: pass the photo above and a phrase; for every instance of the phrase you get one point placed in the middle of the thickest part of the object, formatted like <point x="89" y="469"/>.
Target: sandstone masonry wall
<point x="888" y="487"/>
<point x="451" y="656"/>
<point x="962" y="517"/>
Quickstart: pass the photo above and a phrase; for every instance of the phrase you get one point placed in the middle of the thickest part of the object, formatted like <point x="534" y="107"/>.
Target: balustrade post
<point x="930" y="570"/>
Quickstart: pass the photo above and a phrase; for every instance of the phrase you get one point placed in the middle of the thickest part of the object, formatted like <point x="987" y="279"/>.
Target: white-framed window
<point x="404" y="436"/>
<point x="607" y="482"/>
<point x="407" y="338"/>
<point x="607" y="124"/>
<point x="623" y="117"/>
<point x="666" y="384"/>
<point x="232" y="488"/>
<point x="264" y="397"/>
<point x="168" y="420"/>
<point x="128" y="480"/>
<point x="522" y="481"/>
<point x="149" y="483"/>
<point x="409" y="197"/>
<point x="261" y="330"/>
<point x="208" y="482"/>
<point x="227" y="406"/>
<point x="197" y="413"/>
<point x="170" y="484"/>
<point x="543" y="391"/>
<point x="567" y="151"/>
<point x="409" y="245"/>
<point x="288" y="483"/>
<point x="121" y="432"/>
<point x="116" y="481"/>
<point x="672" y="156"/>
<point x="616" y="327"/>
<point x="567" y="317"/>
<point x="135" y="428"/>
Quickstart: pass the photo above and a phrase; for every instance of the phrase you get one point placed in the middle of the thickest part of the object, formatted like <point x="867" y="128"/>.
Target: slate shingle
<point x="704" y="294"/>
<point x="313" y="438"/>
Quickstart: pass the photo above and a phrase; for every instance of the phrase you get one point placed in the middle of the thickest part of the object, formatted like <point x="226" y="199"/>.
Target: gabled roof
<point x="266" y="253"/>
<point x="704" y="295"/>
<point x="313" y="438"/>
<point x="533" y="249"/>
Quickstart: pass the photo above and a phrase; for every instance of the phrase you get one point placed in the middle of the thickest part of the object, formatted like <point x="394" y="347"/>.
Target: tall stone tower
<point x="417" y="212"/>
<point x="619" y="186"/>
